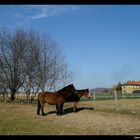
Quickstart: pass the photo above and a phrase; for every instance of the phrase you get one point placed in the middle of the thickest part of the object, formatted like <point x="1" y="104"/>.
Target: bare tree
<point x="52" y="62"/>
<point x="31" y="62"/>
<point x="66" y="75"/>
<point x="11" y="48"/>
<point x="31" y="58"/>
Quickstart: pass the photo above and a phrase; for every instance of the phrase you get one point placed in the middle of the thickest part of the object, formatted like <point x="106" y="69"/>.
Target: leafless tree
<point x="31" y="58"/>
<point x="31" y="62"/>
<point x="52" y="66"/>
<point x="11" y="49"/>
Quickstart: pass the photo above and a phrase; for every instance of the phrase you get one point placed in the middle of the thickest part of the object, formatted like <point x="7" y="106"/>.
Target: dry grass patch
<point x="17" y="119"/>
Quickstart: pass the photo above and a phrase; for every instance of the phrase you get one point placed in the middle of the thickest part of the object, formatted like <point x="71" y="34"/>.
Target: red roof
<point x="132" y="83"/>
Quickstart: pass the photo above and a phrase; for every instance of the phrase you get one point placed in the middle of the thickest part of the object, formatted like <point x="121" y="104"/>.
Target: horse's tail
<point x="38" y="106"/>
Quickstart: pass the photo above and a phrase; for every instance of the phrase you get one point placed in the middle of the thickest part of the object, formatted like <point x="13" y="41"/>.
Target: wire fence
<point x="109" y="96"/>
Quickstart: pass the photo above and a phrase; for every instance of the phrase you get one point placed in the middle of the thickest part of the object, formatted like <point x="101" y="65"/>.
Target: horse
<point x="75" y="98"/>
<point x="54" y="98"/>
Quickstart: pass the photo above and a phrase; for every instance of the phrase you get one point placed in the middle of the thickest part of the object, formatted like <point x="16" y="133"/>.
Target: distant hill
<point x="103" y="90"/>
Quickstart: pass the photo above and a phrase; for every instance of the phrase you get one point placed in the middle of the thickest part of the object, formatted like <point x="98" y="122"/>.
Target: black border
<point x="64" y="137"/>
<point x="71" y="2"/>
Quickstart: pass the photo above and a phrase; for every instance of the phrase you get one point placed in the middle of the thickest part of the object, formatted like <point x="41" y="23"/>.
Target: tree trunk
<point x="12" y="98"/>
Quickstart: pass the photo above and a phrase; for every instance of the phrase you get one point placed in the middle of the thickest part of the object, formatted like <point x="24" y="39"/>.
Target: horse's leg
<point x="74" y="106"/>
<point x="38" y="108"/>
<point x="42" y="109"/>
<point x="59" y="105"/>
<point x="56" y="107"/>
<point x="61" y="109"/>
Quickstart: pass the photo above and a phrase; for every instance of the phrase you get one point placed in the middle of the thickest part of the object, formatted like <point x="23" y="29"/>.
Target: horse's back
<point x="67" y="91"/>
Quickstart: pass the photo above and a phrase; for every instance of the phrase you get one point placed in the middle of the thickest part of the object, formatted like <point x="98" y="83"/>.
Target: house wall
<point x="130" y="88"/>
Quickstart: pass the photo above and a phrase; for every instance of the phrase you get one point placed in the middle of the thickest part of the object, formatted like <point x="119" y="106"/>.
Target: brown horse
<point x="75" y="98"/>
<point x="54" y="98"/>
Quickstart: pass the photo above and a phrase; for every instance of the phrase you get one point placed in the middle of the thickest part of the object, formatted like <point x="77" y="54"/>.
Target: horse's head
<point x="87" y="93"/>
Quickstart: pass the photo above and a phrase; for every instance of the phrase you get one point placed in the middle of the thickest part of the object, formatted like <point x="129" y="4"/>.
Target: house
<point x="131" y="87"/>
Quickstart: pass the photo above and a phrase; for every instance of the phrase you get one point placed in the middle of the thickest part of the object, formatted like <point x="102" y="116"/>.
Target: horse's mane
<point x="77" y="91"/>
<point x="68" y="90"/>
<point x="67" y="87"/>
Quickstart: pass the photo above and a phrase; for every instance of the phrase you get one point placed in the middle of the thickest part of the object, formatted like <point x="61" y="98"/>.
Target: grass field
<point x="21" y="119"/>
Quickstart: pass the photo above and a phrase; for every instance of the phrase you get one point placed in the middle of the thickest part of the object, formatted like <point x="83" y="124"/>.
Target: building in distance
<point x="131" y="87"/>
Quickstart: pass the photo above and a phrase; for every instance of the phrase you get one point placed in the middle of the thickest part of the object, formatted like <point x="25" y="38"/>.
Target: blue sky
<point x="101" y="43"/>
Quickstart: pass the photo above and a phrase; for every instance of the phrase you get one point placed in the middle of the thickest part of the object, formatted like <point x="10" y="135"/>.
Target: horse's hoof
<point x="59" y="114"/>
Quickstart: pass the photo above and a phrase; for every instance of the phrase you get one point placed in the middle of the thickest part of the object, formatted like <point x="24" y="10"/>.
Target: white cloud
<point x="40" y="15"/>
<point x="26" y="13"/>
<point x="54" y="10"/>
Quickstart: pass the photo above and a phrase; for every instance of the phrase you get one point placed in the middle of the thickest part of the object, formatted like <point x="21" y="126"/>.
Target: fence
<point x="19" y="97"/>
<point x="117" y="101"/>
<point x="109" y="96"/>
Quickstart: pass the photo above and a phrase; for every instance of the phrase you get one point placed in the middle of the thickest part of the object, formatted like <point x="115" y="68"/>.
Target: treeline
<point x="30" y="62"/>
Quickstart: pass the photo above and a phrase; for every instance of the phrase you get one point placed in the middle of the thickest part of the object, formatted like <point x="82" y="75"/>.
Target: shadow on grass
<point x="70" y="110"/>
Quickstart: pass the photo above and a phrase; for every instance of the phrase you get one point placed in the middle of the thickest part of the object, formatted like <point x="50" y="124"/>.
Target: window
<point x="124" y="91"/>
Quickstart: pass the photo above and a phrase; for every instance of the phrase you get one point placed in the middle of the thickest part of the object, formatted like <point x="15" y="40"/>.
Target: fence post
<point x="123" y="95"/>
<point x="93" y="96"/>
<point x="116" y="100"/>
